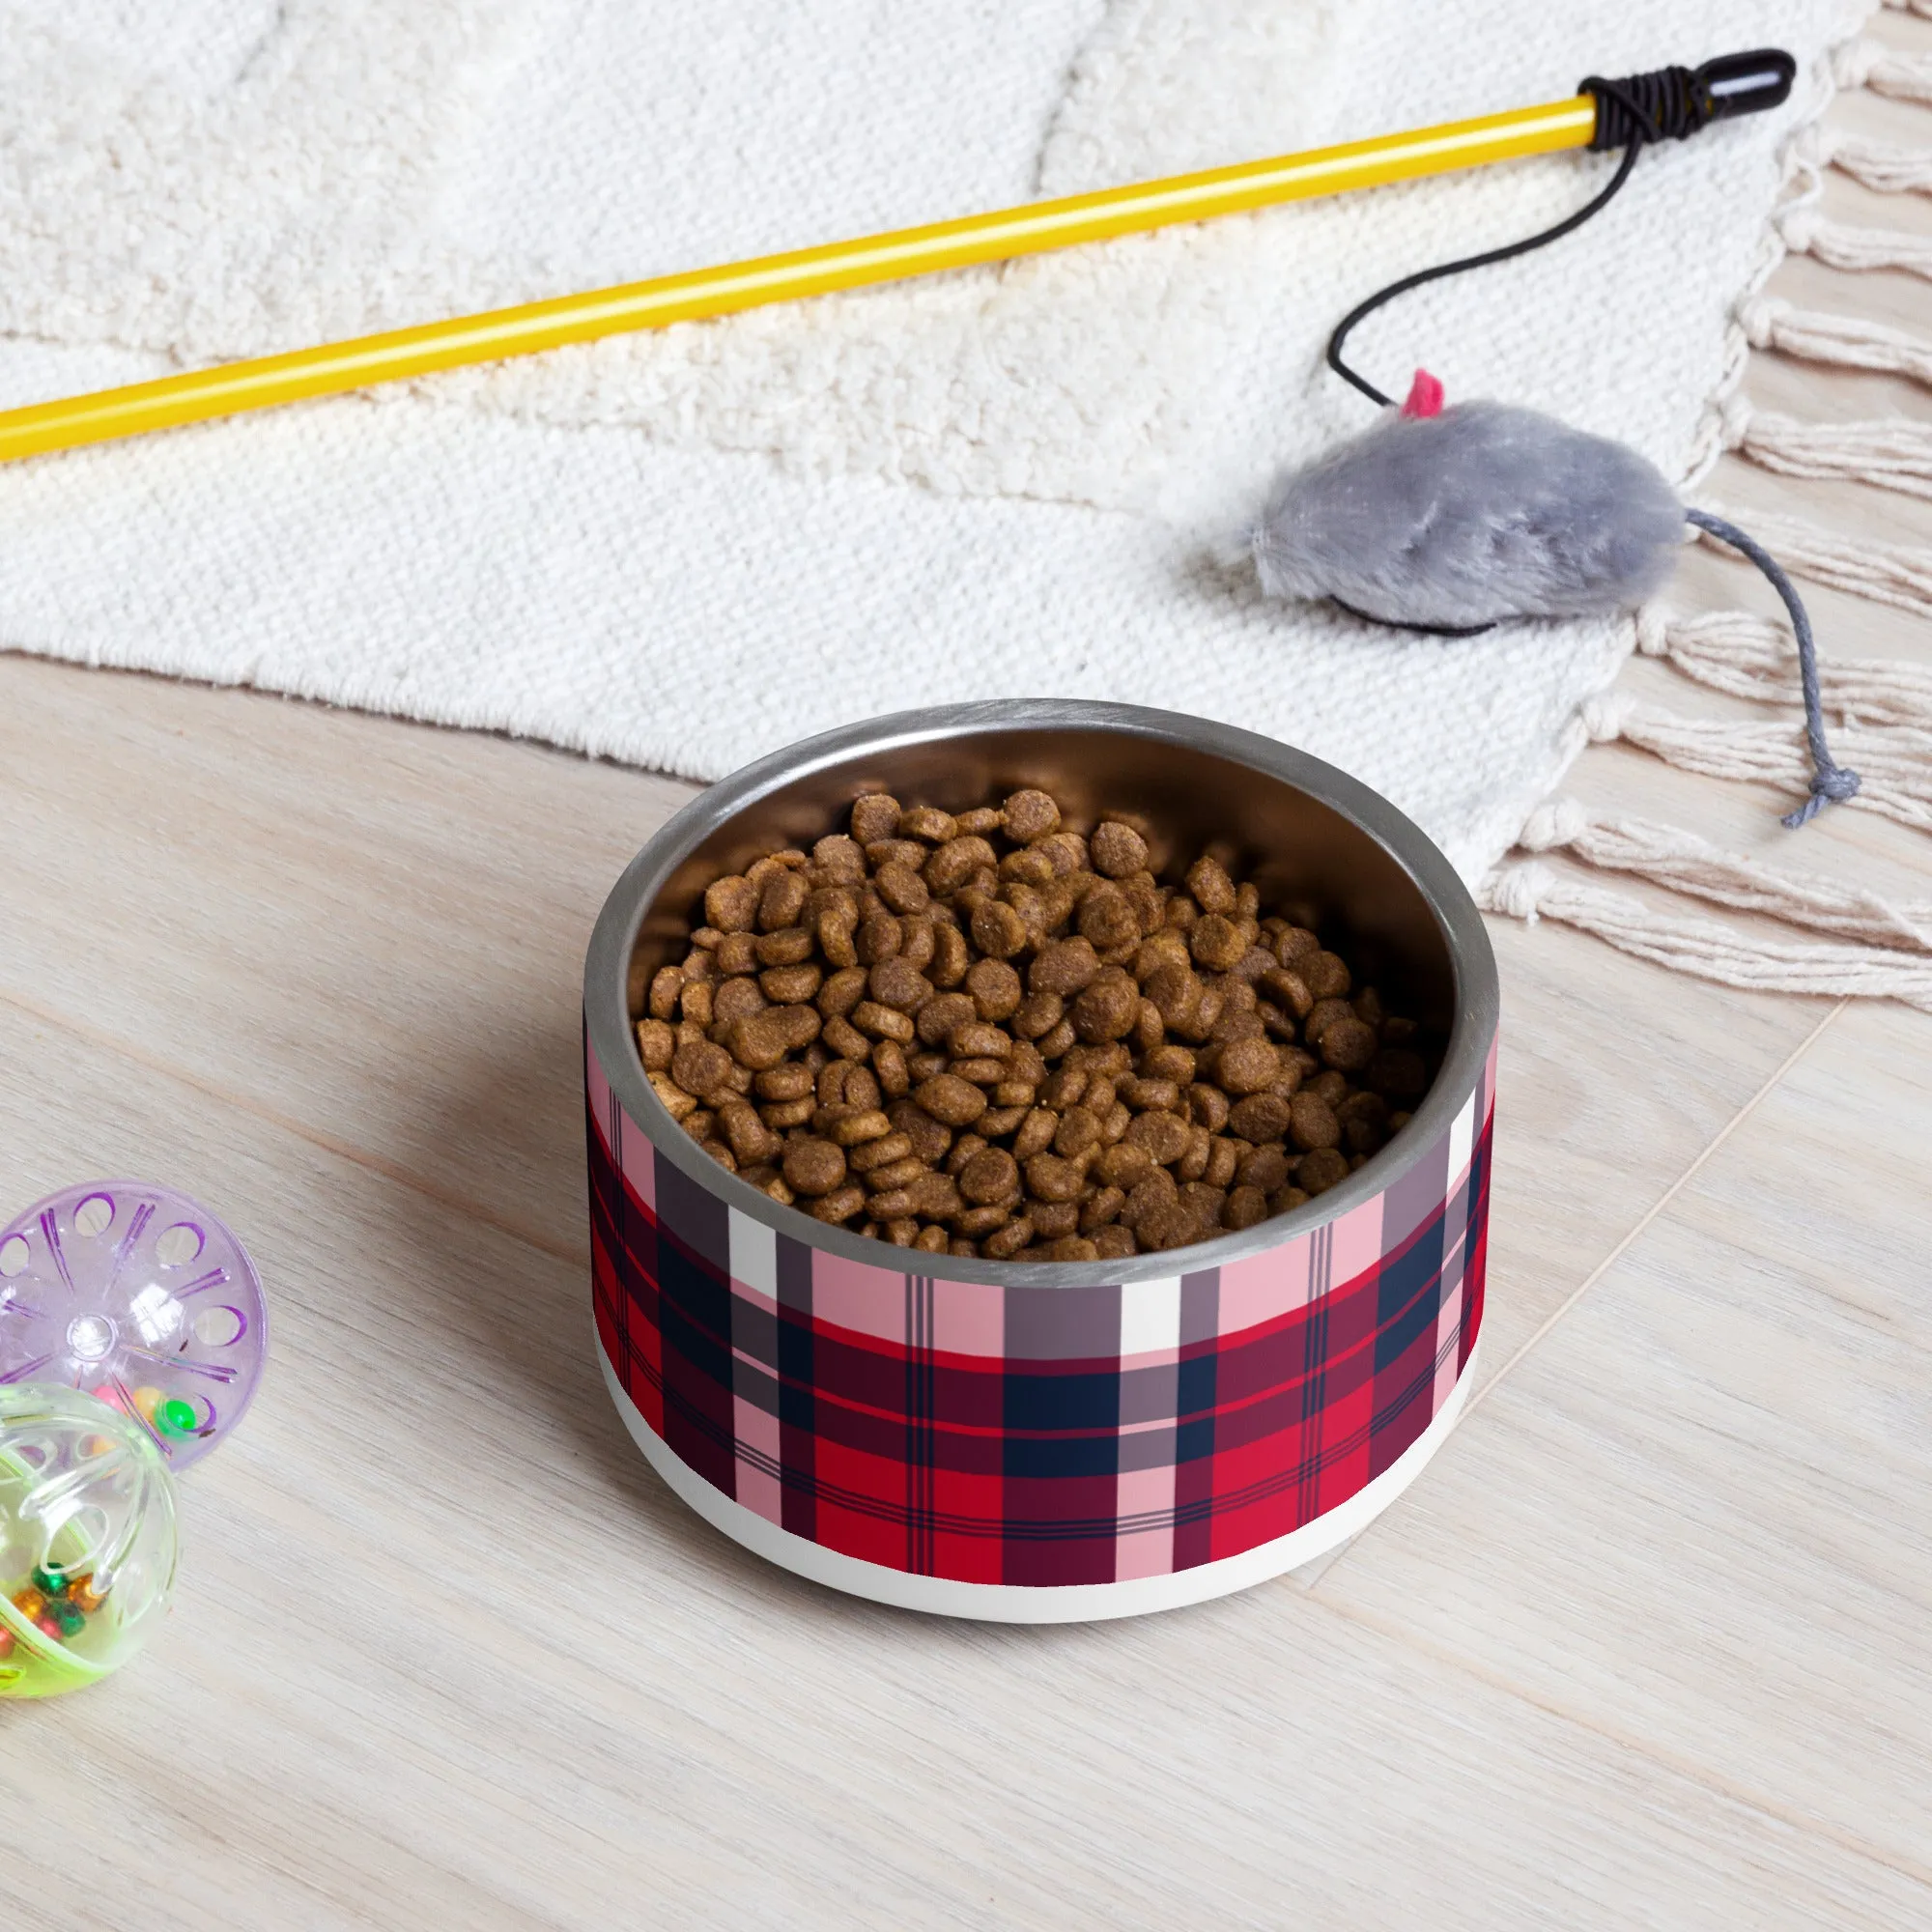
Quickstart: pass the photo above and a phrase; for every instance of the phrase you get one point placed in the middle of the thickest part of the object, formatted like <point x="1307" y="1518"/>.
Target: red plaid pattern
<point x="1024" y="1436"/>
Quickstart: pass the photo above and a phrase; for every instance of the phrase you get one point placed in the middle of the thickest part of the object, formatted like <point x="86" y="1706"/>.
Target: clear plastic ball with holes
<point x="135" y="1295"/>
<point x="87" y="1539"/>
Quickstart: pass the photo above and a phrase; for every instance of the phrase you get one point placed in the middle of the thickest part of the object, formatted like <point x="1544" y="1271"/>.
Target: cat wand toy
<point x="1684" y="99"/>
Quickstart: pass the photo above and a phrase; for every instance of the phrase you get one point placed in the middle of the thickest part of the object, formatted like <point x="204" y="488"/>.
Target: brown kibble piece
<point x="1117" y="850"/>
<point x="1037" y="1132"/>
<point x="1248" y="1066"/>
<point x="732" y="904"/>
<point x="667" y="985"/>
<point x="1243" y="1208"/>
<point x="991" y="1175"/>
<point x="998" y="929"/>
<point x="838" y="1206"/>
<point x="1063" y="966"/>
<point x="1312" y="1122"/>
<point x="1049" y="1178"/>
<point x="879" y="1021"/>
<point x="737" y="952"/>
<point x="1162" y="1137"/>
<point x="902" y="889"/>
<point x="874" y="816"/>
<point x="951" y="1100"/>
<point x="1028" y="815"/>
<point x="868" y="1125"/>
<point x="656" y="1044"/>
<point x="1260" y="1117"/>
<point x="1325" y="974"/>
<point x="787" y="985"/>
<point x="1005" y="1243"/>
<point x="701" y="1068"/>
<point x="930" y="823"/>
<point x="995" y="988"/>
<point x="1210" y="887"/>
<point x="788" y="946"/>
<point x="1108" y="1008"/>
<point x="1107" y="920"/>
<point x="896" y="983"/>
<point x="1322" y="1169"/>
<point x="1037" y="1015"/>
<point x="1216" y="943"/>
<point x="814" y="1167"/>
<point x="1348" y="1045"/>
<point x="782" y="901"/>
<point x="1322" y="1016"/>
<point x="872" y="1156"/>
<point x="840" y="858"/>
<point x="1115" y="1243"/>
<point x="1122" y="1165"/>
<point x="1079" y="1131"/>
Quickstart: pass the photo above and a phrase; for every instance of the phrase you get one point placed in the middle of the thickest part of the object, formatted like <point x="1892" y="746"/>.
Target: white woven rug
<point x="686" y="550"/>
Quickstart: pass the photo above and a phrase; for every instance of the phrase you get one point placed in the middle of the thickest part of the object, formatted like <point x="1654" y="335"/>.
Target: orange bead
<point x="81" y="1594"/>
<point x="30" y="1603"/>
<point x="145" y="1402"/>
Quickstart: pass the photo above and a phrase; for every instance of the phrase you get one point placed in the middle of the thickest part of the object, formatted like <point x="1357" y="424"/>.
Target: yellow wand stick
<point x="1743" y="86"/>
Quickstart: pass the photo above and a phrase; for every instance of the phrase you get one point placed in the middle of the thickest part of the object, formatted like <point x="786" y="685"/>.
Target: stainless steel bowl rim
<point x="1472" y="962"/>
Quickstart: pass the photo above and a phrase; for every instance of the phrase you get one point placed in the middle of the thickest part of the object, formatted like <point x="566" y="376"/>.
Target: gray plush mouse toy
<point x="1451" y="520"/>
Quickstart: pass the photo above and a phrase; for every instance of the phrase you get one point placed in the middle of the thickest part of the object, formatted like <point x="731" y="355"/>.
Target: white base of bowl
<point x="1029" y="1604"/>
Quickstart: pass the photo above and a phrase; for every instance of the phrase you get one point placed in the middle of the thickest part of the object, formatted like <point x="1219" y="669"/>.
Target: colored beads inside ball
<point x="87" y="1539"/>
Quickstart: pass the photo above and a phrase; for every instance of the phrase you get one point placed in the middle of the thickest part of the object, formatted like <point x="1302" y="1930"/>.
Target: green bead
<point x="49" y="1583"/>
<point x="175" y="1417"/>
<point x="70" y="1620"/>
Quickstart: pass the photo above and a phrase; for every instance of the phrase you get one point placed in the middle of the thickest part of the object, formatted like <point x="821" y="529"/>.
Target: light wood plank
<point x="1696" y="1514"/>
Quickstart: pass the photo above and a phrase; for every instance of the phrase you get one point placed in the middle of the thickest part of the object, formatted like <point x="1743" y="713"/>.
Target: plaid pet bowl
<point x="1045" y="1442"/>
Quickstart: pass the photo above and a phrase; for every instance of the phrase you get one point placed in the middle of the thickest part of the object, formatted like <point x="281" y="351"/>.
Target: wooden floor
<point x="1647" y="1644"/>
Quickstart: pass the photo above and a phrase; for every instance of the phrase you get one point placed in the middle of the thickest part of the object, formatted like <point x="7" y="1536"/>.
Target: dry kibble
<point x="876" y="815"/>
<point x="951" y="1100"/>
<point x="1117" y="850"/>
<point x="656" y="1044"/>
<point x="1216" y="943"/>
<point x="992" y="1034"/>
<point x="1325" y="975"/>
<point x="1065" y="966"/>
<point x="1243" y="1208"/>
<point x="998" y="929"/>
<point x="1247" y="1066"/>
<point x="1322" y="1169"/>
<point x="1312" y="1122"/>
<point x="731" y="905"/>
<point x="1028" y="815"/>
<point x="1348" y="1045"/>
<point x="782" y="901"/>
<point x="1212" y="890"/>
<point x="814" y="1167"/>
<point x="1107" y="1009"/>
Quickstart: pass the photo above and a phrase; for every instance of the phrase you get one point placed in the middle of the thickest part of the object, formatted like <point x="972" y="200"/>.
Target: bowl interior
<point x="1308" y="860"/>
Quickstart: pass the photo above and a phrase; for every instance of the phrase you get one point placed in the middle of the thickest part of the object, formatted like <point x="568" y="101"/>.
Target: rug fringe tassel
<point x="1895" y="574"/>
<point x="1879" y="165"/>
<point x="1922" y="8"/>
<point x="1693" y="866"/>
<point x="1839" y="245"/>
<point x="1882" y="70"/>
<point x="1813" y="336"/>
<point x="1895" y="764"/>
<point x="1894" y="452"/>
<point x="1748" y="656"/>
<point x="1529" y="890"/>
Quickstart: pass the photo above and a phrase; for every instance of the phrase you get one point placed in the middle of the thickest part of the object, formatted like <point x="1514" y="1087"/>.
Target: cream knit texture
<point x="687" y="549"/>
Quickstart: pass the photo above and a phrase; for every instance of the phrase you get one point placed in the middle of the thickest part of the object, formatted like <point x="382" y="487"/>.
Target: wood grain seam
<point x="1679" y="1765"/>
<point x="362" y="1157"/>
<point x="1623" y="1246"/>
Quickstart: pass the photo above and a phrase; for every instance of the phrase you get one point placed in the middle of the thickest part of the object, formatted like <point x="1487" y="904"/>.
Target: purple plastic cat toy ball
<point x="135" y="1295"/>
